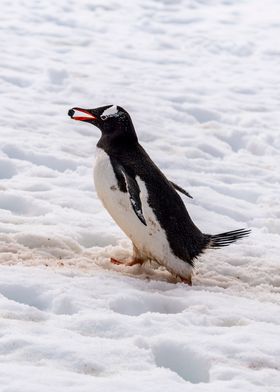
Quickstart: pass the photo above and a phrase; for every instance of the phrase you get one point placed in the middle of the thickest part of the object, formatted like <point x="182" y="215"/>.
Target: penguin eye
<point x="105" y="117"/>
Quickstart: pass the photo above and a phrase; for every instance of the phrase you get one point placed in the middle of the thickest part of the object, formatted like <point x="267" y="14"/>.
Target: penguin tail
<point x="227" y="238"/>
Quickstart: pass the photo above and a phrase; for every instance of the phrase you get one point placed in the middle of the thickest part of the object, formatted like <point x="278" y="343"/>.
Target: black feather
<point x="227" y="238"/>
<point x="180" y="189"/>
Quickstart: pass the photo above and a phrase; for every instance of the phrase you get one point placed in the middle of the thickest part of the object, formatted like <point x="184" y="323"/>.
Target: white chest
<point x="150" y="240"/>
<point x="119" y="207"/>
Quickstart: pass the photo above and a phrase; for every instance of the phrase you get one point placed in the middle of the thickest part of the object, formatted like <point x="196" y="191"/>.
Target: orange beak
<point x="89" y="116"/>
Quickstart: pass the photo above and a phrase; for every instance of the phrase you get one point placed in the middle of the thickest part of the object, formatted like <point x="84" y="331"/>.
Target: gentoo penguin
<point x="141" y="200"/>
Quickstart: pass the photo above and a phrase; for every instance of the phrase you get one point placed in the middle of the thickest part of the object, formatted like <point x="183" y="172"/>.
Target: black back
<point x="185" y="239"/>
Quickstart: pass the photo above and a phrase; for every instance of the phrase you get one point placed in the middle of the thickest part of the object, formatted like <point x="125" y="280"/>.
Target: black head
<point x="113" y="121"/>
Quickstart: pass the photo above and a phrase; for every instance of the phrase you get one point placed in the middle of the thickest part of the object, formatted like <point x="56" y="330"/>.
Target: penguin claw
<point x="127" y="264"/>
<point x="134" y="262"/>
<point x="187" y="281"/>
<point x="116" y="262"/>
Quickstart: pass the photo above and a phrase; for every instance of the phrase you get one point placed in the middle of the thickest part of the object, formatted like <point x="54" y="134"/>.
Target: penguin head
<point x="113" y="121"/>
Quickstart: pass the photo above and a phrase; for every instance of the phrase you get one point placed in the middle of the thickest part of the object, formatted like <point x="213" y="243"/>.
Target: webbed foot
<point x="187" y="280"/>
<point x="127" y="263"/>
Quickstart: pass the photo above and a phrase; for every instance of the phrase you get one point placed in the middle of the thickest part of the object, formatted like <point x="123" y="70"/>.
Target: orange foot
<point x="186" y="280"/>
<point x="128" y="264"/>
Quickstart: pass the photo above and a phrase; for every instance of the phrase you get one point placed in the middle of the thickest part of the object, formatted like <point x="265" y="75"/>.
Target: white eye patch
<point x="110" y="112"/>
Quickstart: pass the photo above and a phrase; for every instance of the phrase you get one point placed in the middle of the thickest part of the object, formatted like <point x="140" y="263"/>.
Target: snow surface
<point x="200" y="79"/>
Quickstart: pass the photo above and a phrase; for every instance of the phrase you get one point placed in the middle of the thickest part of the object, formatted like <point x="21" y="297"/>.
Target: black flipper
<point x="131" y="187"/>
<point x="134" y="195"/>
<point x="179" y="189"/>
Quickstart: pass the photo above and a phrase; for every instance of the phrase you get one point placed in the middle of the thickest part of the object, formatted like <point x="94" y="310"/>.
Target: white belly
<point x="150" y="241"/>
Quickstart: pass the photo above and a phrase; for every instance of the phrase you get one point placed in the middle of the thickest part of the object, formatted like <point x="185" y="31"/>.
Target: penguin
<point x="144" y="203"/>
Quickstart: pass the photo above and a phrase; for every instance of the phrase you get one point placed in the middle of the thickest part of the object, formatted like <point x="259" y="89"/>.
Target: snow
<point x="200" y="80"/>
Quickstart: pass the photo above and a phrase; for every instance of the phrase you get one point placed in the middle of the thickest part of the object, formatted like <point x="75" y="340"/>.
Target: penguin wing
<point x="179" y="189"/>
<point x="133" y="191"/>
<point x="134" y="196"/>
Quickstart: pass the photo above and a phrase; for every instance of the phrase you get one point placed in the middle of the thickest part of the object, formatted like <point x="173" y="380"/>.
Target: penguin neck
<point x="114" y="142"/>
